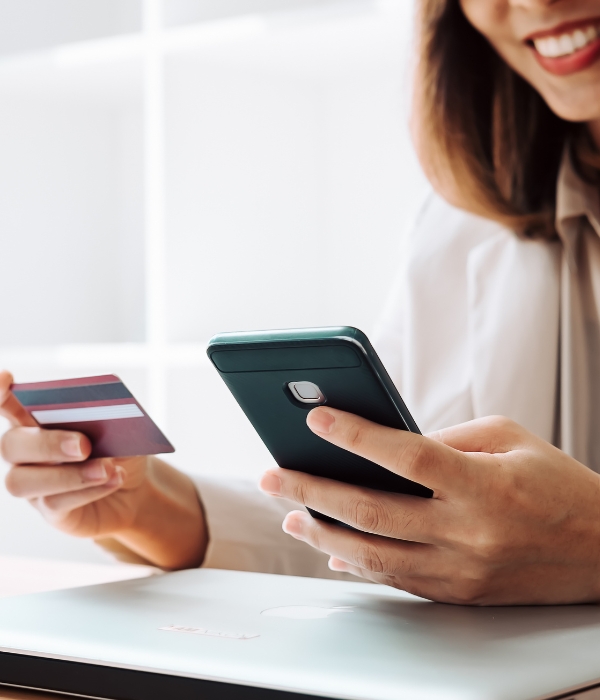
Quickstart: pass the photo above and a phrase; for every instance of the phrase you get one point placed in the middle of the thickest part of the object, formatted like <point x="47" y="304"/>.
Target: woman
<point x="499" y="313"/>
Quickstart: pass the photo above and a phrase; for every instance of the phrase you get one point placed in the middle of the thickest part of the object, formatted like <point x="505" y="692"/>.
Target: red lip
<point x="573" y="63"/>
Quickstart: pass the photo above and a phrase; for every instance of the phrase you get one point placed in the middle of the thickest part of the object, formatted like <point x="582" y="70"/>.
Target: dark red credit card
<point x="102" y="408"/>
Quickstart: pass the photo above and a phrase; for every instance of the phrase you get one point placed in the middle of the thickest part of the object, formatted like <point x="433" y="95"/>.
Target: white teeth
<point x="579" y="39"/>
<point x="565" y="44"/>
<point x="553" y="47"/>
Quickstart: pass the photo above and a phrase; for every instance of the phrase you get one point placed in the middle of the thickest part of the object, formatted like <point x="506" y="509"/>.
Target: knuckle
<point x="300" y="493"/>
<point x="367" y="557"/>
<point x="356" y="436"/>
<point x="488" y="547"/>
<point x="501" y="424"/>
<point x="472" y="589"/>
<point x="413" y="459"/>
<point x="411" y="522"/>
<point x="368" y="515"/>
<point x="485" y="545"/>
<point x="467" y="593"/>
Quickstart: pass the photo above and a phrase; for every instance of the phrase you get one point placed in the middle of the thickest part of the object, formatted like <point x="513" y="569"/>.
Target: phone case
<point x="258" y="366"/>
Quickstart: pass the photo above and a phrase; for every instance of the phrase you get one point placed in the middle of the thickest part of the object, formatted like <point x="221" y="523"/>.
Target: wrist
<point x="585" y="540"/>
<point x="168" y="526"/>
<point x="596" y="544"/>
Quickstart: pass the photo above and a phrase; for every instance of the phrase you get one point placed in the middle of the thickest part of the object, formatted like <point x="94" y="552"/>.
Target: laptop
<point x="208" y="634"/>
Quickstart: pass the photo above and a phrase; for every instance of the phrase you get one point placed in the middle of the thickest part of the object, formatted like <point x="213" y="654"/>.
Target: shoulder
<point x="440" y="227"/>
<point x="447" y="242"/>
<point x="439" y="246"/>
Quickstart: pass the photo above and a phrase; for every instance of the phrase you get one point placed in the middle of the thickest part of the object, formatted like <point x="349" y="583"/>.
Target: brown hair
<point x="486" y="139"/>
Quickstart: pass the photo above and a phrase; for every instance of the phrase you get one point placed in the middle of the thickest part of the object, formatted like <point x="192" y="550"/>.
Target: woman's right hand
<point x="142" y="502"/>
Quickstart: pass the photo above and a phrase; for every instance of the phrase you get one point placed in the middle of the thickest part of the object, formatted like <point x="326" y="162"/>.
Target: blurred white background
<point x="171" y="170"/>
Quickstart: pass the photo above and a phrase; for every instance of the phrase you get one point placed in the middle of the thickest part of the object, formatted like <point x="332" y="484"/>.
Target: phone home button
<point x="306" y="392"/>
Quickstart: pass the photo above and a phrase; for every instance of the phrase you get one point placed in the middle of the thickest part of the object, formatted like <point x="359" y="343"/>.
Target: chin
<point x="574" y="98"/>
<point x="584" y="108"/>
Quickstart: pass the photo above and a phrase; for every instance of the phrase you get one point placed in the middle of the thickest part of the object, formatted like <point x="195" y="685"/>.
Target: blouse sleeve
<point x="245" y="534"/>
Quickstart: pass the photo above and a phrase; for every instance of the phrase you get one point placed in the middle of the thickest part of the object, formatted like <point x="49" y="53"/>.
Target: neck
<point x="594" y="129"/>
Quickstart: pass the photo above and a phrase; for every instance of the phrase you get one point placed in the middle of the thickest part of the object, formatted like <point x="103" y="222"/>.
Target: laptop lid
<point x="224" y="634"/>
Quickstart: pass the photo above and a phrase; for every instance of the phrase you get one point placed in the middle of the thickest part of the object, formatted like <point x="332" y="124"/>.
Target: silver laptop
<point x="222" y="634"/>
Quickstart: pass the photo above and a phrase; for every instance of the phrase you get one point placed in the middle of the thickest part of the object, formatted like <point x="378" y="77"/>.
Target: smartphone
<point x="277" y="377"/>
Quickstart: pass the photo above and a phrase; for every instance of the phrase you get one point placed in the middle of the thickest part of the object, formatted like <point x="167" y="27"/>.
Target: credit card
<point x="102" y="408"/>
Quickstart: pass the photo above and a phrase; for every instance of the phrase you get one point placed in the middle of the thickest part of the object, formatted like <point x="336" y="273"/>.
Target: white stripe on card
<point x="89" y="413"/>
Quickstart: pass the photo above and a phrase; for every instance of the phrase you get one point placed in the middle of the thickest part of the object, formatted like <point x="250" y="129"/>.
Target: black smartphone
<point x="277" y="377"/>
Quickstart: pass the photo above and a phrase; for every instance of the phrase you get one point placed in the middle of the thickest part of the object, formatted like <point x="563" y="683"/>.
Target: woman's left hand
<point x="513" y="520"/>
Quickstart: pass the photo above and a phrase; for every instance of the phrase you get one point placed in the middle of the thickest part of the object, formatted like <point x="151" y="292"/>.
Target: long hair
<point x="486" y="139"/>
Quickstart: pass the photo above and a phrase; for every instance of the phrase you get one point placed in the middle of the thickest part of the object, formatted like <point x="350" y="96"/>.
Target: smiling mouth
<point x="567" y="49"/>
<point x="567" y="43"/>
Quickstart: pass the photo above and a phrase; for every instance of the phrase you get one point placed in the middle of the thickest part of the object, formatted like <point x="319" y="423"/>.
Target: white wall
<point x="244" y="200"/>
<point x="34" y="24"/>
<point x="63" y="194"/>
<point x="281" y="159"/>
<point x="289" y="179"/>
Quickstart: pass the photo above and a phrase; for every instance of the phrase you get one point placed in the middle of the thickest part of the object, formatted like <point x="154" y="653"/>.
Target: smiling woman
<point x="497" y="314"/>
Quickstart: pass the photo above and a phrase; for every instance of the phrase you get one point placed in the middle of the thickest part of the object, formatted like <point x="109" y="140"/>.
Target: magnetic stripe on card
<point x="73" y="394"/>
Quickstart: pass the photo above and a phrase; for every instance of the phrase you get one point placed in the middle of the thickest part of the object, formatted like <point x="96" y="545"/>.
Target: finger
<point x="36" y="445"/>
<point x="376" y="512"/>
<point x="378" y="555"/>
<point x="336" y="564"/>
<point x="9" y="406"/>
<point x="493" y="435"/>
<point x="36" y="482"/>
<point x="416" y="586"/>
<point x="56" y="506"/>
<point x="412" y="456"/>
<point x="431" y="589"/>
<point x="6" y="380"/>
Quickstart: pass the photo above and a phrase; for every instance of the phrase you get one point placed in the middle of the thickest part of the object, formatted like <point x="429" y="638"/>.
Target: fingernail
<point x="294" y="525"/>
<point x="93" y="472"/>
<point x="270" y="483"/>
<point x="71" y="447"/>
<point x="336" y="564"/>
<point x="320" y="421"/>
<point x="116" y="479"/>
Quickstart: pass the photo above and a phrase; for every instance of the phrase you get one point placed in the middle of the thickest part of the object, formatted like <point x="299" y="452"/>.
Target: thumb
<point x="493" y="434"/>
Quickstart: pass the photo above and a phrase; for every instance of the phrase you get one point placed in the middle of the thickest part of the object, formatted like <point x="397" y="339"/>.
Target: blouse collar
<point x="576" y="201"/>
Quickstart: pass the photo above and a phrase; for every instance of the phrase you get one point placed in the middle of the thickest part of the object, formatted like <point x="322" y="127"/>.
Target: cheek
<point x="490" y="17"/>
